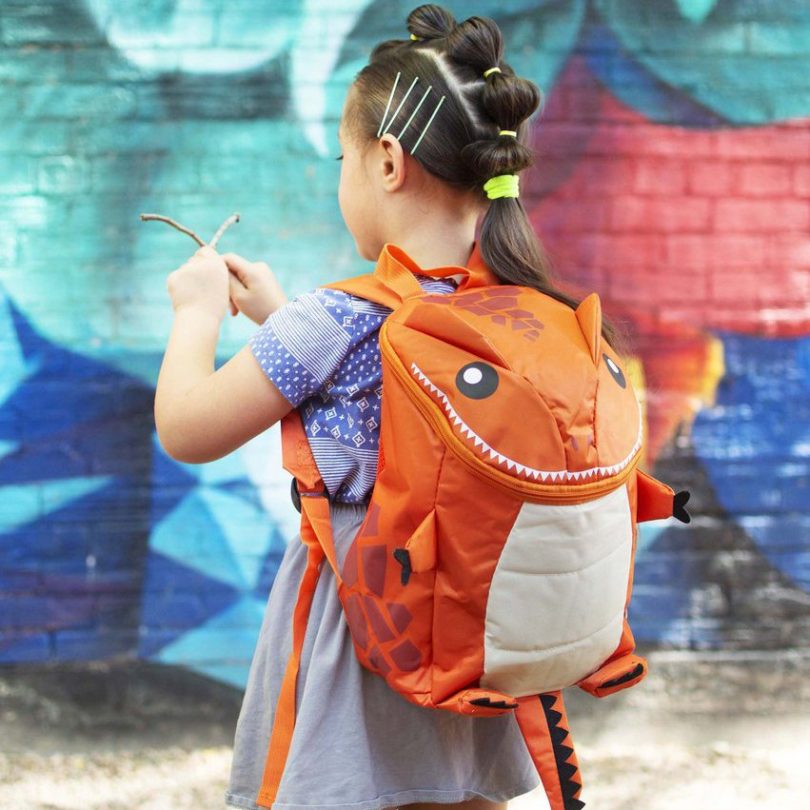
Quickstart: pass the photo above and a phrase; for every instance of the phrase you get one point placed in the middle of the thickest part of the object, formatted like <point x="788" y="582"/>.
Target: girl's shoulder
<point x="336" y="299"/>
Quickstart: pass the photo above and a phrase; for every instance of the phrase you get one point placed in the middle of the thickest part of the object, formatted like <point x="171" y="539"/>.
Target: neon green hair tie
<point x="511" y="132"/>
<point x="413" y="36"/>
<point x="502" y="185"/>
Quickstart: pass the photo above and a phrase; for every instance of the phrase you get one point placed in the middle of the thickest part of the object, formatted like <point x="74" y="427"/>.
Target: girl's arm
<point x="202" y="414"/>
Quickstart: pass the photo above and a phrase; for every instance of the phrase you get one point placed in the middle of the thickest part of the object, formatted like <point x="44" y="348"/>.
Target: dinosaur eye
<point x="615" y="371"/>
<point x="477" y="380"/>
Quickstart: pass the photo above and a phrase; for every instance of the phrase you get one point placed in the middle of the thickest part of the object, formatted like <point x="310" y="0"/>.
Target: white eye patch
<point x="472" y="375"/>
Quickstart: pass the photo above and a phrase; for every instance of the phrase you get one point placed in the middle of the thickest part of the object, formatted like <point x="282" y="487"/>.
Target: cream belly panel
<point x="556" y="602"/>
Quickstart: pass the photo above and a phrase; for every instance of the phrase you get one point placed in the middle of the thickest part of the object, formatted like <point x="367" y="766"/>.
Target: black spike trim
<point x="628" y="676"/>
<point x="565" y="751"/>
<point x="565" y="770"/>
<point x="498" y="704"/>
<point x="569" y="790"/>
<point x="548" y="701"/>
<point x="558" y="735"/>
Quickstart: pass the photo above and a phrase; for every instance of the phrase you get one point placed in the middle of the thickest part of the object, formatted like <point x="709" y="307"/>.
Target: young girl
<point x="426" y="126"/>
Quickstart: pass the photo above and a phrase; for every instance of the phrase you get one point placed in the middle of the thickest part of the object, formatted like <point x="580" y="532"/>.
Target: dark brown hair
<point x="462" y="145"/>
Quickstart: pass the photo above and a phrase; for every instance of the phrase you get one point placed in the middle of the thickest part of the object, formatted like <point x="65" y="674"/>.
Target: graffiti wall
<point x="672" y="177"/>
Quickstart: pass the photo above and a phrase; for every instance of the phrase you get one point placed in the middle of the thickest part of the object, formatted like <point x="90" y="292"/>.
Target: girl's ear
<point x="392" y="166"/>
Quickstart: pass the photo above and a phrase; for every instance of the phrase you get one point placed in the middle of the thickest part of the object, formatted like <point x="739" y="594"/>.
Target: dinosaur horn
<point x="589" y="317"/>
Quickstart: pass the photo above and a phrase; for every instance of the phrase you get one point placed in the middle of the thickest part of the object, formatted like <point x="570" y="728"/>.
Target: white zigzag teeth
<point x="544" y="475"/>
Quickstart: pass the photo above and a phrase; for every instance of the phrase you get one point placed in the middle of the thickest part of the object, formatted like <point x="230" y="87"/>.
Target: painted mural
<point x="672" y="178"/>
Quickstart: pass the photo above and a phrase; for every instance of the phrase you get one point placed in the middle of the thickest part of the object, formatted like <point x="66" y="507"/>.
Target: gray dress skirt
<point x="358" y="744"/>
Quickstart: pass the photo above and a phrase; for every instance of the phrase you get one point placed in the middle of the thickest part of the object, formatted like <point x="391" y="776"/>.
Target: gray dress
<point x="358" y="744"/>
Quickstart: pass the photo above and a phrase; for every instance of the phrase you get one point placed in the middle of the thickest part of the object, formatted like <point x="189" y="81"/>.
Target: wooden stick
<point x="222" y="228"/>
<point x="174" y="224"/>
<point x="225" y="225"/>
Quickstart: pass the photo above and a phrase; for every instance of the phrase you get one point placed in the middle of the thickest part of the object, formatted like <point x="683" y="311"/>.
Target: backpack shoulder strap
<point x="393" y="280"/>
<point x="316" y="534"/>
<point x="296" y="454"/>
<point x="370" y="287"/>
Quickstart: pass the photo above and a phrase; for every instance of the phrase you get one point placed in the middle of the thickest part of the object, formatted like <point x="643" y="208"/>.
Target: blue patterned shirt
<point x="321" y="349"/>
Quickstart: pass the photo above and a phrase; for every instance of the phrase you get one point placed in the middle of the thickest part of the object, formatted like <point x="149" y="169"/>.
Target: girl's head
<point x="457" y="153"/>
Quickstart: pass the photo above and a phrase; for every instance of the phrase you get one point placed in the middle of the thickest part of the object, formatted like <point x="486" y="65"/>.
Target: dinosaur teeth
<point x="529" y="472"/>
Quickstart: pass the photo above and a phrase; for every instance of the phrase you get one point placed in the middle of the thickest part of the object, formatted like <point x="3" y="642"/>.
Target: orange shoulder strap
<point x="370" y="287"/>
<point x="393" y="282"/>
<point x="296" y="454"/>
<point x="316" y="534"/>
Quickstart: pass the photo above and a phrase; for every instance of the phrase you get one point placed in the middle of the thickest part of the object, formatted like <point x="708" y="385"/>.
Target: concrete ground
<point x="704" y="730"/>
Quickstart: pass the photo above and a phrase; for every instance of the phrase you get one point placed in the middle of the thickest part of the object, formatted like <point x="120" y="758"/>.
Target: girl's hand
<point x="200" y="283"/>
<point x="254" y="288"/>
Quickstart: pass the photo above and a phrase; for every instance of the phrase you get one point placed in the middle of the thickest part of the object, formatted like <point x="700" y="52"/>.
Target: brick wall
<point x="671" y="177"/>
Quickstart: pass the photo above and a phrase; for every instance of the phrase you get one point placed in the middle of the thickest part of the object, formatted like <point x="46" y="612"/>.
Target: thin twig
<point x="222" y="228"/>
<point x="174" y="224"/>
<point x="213" y="243"/>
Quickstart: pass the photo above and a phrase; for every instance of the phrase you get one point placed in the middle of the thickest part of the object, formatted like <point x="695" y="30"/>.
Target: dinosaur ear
<point x="589" y="317"/>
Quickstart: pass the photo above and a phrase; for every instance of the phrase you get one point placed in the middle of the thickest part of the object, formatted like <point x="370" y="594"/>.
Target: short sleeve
<point x="301" y="344"/>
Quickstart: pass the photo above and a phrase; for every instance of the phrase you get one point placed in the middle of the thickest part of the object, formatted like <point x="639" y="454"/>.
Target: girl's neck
<point x="434" y="224"/>
<point x="438" y="244"/>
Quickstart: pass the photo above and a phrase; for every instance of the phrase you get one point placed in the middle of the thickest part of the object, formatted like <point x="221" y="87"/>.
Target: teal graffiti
<point x="746" y="61"/>
<point x="696" y="10"/>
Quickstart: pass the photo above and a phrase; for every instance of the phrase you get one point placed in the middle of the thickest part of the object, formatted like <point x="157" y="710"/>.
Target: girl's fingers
<point x="235" y="286"/>
<point x="235" y="281"/>
<point x="239" y="266"/>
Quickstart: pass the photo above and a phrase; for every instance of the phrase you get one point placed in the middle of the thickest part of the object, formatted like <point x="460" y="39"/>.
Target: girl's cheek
<point x="342" y="200"/>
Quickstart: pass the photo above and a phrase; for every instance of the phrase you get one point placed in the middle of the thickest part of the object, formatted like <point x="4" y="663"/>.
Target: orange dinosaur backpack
<point x="494" y="565"/>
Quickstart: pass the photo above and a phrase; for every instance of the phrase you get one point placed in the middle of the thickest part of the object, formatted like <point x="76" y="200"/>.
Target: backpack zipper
<point x="540" y="493"/>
